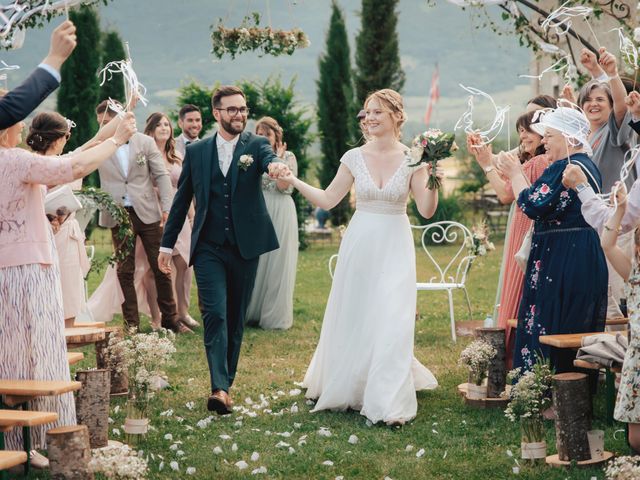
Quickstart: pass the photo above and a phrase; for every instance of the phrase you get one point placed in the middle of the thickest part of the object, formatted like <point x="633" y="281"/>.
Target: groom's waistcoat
<point x="218" y="225"/>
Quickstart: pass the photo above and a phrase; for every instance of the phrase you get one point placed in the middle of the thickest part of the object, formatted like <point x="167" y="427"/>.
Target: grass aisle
<point x="459" y="442"/>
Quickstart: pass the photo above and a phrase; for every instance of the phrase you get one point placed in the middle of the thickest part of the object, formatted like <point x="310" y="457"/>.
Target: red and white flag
<point x="434" y="95"/>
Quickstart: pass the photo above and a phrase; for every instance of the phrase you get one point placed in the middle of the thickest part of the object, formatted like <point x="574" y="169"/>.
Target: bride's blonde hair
<point x="391" y="101"/>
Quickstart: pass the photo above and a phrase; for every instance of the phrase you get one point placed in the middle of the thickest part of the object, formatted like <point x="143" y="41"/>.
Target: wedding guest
<point x="628" y="404"/>
<point x="190" y="122"/>
<point x="271" y="304"/>
<point x="129" y="177"/>
<point x="48" y="136"/>
<point x="541" y="102"/>
<point x="565" y="284"/>
<point x="364" y="359"/>
<point x="22" y="100"/>
<point x="32" y="342"/>
<point x="533" y="161"/>
<point x="160" y="129"/>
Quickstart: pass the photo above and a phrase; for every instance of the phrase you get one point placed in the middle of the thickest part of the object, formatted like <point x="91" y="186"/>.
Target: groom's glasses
<point x="233" y="111"/>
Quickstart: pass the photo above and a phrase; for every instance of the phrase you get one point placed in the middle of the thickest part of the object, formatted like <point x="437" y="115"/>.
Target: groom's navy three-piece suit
<point x="231" y="229"/>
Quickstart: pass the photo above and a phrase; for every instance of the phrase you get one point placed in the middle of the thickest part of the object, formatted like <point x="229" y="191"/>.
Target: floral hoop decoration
<point x="477" y="357"/>
<point x="93" y="198"/>
<point x="250" y="36"/>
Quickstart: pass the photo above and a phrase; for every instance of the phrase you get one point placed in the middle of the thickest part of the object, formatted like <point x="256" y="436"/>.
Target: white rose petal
<point x="297" y="384"/>
<point x="259" y="470"/>
<point x="285" y="434"/>
<point x="434" y="431"/>
<point x="309" y="402"/>
<point x="174" y="466"/>
<point x="255" y="456"/>
<point x="328" y="463"/>
<point x="282" y="444"/>
<point x="116" y="409"/>
<point x="280" y="393"/>
<point x="248" y="401"/>
<point x="516" y="470"/>
<point x="174" y="447"/>
<point x="168" y="436"/>
<point x="353" y="439"/>
<point x="420" y="453"/>
<point x="295" y="392"/>
<point x="291" y="450"/>
<point x="408" y="448"/>
<point x="202" y="424"/>
<point x="191" y="470"/>
<point x="294" y="408"/>
<point x="190" y="405"/>
<point x="234" y="447"/>
<point x="180" y="453"/>
<point x="324" y="432"/>
<point x="115" y="432"/>
<point x="111" y="420"/>
<point x="217" y="450"/>
<point x="297" y="425"/>
<point x="161" y="466"/>
<point x="368" y="423"/>
<point x="340" y="477"/>
<point x="224" y="437"/>
<point x="241" y="464"/>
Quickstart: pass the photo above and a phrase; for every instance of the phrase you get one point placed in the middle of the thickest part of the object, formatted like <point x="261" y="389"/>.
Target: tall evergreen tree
<point x="377" y="56"/>
<point x="335" y="106"/>
<point x="78" y="93"/>
<point x="112" y="51"/>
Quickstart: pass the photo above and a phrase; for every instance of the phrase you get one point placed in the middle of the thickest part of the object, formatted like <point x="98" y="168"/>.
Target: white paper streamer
<point x="564" y="63"/>
<point x="465" y="122"/>
<point x="133" y="88"/>
<point x="5" y="67"/>
<point x="627" y="48"/>
<point x="561" y="18"/>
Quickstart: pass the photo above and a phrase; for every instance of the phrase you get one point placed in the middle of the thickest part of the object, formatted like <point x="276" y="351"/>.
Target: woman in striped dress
<point x="32" y="343"/>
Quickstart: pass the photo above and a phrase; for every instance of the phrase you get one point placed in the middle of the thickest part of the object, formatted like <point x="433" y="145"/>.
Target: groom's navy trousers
<point x="231" y="229"/>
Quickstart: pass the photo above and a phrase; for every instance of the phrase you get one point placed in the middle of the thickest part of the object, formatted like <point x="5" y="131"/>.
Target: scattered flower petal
<point x="115" y="432"/>
<point x="180" y="453"/>
<point x="224" y="437"/>
<point x="328" y="463"/>
<point x="324" y="432"/>
<point x="234" y="447"/>
<point x="217" y="450"/>
<point x="168" y="436"/>
<point x="353" y="439"/>
<point x="295" y="392"/>
<point x="408" y="448"/>
<point x="291" y="450"/>
<point x="191" y="470"/>
<point x="190" y="405"/>
<point x="259" y="470"/>
<point x="174" y="466"/>
<point x="282" y="444"/>
<point x="241" y="464"/>
<point x="420" y="453"/>
<point x="255" y="456"/>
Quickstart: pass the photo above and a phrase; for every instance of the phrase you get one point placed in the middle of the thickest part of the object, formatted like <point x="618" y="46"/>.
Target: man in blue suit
<point x="231" y="229"/>
<point x="16" y="105"/>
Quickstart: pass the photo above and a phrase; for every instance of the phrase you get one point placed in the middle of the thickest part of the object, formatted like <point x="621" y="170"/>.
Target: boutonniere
<point x="245" y="162"/>
<point x="141" y="159"/>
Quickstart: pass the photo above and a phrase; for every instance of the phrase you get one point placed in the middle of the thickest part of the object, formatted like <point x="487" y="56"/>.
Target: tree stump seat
<point x="88" y="325"/>
<point x="75" y="357"/>
<point x="81" y="336"/>
<point x="69" y="453"/>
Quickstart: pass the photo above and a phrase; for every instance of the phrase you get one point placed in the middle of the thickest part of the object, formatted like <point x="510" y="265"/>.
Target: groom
<point x="231" y="230"/>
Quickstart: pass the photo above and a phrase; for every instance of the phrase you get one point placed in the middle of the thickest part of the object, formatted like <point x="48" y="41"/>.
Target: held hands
<point x="608" y="62"/>
<point x="481" y="152"/>
<point x="164" y="262"/>
<point x="573" y="176"/>
<point x="633" y="104"/>
<point x="126" y="129"/>
<point x="590" y="62"/>
<point x="508" y="164"/>
<point x="280" y="171"/>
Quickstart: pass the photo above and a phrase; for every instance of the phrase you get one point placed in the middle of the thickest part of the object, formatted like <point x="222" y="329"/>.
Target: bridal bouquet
<point x="476" y="357"/>
<point x="119" y="462"/>
<point x="529" y="398"/>
<point x="478" y="244"/>
<point x="623" y="468"/>
<point x="431" y="146"/>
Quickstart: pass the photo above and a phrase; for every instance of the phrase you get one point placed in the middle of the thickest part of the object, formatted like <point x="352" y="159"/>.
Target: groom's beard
<point x="232" y="127"/>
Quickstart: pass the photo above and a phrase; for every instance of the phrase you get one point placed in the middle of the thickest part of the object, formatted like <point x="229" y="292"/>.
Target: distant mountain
<point x="170" y="44"/>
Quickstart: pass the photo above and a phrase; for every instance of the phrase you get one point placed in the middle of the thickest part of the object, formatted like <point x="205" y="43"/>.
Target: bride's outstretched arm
<point x="426" y="199"/>
<point x="328" y="198"/>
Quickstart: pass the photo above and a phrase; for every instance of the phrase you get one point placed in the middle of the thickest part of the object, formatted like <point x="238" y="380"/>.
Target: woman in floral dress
<point x="565" y="284"/>
<point x="628" y="402"/>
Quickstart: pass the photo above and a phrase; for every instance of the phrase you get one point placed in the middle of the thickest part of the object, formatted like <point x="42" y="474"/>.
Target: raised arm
<point x="609" y="64"/>
<point x="483" y="156"/>
<point x="618" y="259"/>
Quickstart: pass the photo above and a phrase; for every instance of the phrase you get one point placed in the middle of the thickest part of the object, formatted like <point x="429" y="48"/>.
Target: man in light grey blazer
<point x="129" y="176"/>
<point x="190" y="122"/>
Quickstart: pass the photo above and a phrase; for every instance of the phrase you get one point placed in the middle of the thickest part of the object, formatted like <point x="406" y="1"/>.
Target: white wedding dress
<point x="364" y="359"/>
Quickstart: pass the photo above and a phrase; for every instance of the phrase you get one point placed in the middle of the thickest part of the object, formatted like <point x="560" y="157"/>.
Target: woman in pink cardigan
<point x="32" y="343"/>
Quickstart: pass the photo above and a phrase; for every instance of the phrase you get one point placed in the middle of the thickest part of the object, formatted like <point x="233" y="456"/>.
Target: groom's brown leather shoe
<point x="219" y="402"/>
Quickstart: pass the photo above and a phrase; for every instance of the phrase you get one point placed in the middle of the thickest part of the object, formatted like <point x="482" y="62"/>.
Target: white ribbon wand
<point x="561" y="19"/>
<point x="133" y="88"/>
<point x="465" y="122"/>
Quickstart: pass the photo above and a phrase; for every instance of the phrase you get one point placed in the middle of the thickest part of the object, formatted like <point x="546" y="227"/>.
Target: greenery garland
<point x="92" y="197"/>
<point x="249" y="36"/>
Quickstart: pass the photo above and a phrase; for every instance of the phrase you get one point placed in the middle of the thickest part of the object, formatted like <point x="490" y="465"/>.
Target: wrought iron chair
<point x="454" y="274"/>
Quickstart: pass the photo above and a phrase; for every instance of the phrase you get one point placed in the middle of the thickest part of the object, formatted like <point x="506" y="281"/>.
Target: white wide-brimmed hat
<point x="572" y="123"/>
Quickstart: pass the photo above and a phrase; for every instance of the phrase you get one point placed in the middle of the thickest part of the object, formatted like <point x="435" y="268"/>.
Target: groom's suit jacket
<point x="254" y="232"/>
<point x="146" y="170"/>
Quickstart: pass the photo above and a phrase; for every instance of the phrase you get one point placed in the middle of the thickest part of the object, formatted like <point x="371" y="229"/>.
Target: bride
<point x="364" y="359"/>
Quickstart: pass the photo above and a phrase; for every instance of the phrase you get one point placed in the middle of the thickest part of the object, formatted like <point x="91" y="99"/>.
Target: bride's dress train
<point x="364" y="359"/>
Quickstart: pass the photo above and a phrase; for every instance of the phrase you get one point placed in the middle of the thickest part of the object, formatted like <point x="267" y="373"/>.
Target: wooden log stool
<point x="92" y="405"/>
<point x="119" y="380"/>
<point x="69" y="453"/>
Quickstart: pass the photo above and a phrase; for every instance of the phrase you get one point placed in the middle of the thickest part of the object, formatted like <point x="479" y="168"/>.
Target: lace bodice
<point x="632" y="290"/>
<point x="392" y="198"/>
<point x="269" y="185"/>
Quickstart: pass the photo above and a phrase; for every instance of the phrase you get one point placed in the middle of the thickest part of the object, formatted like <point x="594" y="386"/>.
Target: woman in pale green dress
<point x="271" y="305"/>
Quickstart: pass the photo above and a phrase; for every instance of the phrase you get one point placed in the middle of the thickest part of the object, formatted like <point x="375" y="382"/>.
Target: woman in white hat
<point x="565" y="284"/>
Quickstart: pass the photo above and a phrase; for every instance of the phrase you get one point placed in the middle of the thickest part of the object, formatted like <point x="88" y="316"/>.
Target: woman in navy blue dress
<point x="565" y="284"/>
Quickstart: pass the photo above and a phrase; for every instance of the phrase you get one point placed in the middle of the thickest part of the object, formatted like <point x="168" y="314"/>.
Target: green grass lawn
<point x="459" y="442"/>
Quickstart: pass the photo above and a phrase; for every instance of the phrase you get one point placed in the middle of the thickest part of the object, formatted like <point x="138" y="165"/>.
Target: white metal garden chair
<point x="452" y="275"/>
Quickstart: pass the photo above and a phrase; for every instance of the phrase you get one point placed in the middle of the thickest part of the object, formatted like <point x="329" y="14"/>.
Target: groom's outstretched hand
<point x="164" y="262"/>
<point x="278" y="171"/>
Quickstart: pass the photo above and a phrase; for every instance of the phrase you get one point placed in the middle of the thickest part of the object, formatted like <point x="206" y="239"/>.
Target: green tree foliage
<point x="377" y="55"/>
<point x="269" y="98"/>
<point x="335" y="107"/>
<point x="112" y="51"/>
<point x="78" y="93"/>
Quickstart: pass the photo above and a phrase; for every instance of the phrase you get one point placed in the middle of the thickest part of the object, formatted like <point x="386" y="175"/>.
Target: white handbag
<point x="522" y="255"/>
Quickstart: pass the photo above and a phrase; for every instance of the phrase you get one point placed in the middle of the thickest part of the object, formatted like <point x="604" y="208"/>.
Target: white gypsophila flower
<point x="476" y="358"/>
<point x="119" y="462"/>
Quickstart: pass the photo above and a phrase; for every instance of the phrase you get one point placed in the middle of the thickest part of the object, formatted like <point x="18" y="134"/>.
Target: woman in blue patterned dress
<point x="565" y="285"/>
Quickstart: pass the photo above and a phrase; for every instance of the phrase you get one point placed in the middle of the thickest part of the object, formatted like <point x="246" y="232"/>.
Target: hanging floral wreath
<point x="250" y="36"/>
<point x="92" y="198"/>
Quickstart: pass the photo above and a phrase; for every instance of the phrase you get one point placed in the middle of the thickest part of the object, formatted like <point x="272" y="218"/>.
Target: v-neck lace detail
<point x="391" y="199"/>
